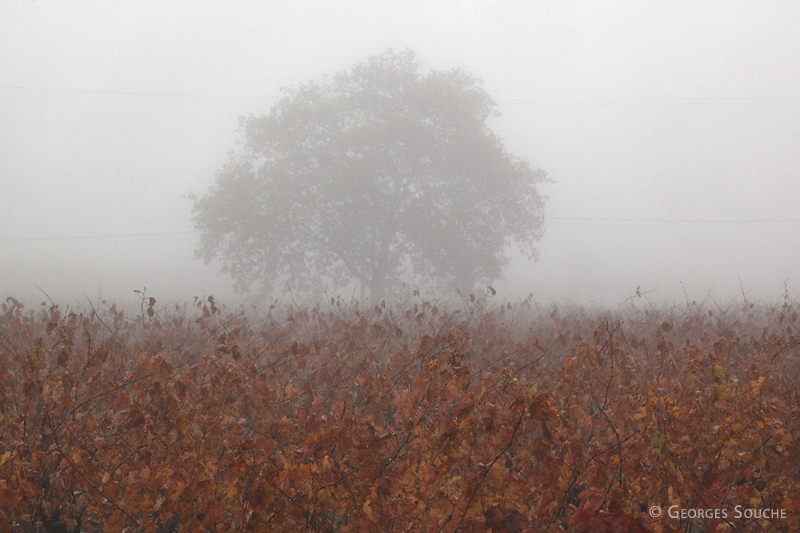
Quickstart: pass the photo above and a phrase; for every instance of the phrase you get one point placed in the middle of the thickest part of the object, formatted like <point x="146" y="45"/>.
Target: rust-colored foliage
<point x="404" y="418"/>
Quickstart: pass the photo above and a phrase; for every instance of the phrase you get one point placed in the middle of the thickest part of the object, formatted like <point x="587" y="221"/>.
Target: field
<point x="405" y="417"/>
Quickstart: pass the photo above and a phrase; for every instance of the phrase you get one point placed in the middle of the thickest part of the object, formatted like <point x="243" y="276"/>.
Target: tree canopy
<point x="382" y="174"/>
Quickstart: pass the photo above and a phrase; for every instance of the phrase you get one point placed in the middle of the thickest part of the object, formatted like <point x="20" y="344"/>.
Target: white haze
<point x="676" y="123"/>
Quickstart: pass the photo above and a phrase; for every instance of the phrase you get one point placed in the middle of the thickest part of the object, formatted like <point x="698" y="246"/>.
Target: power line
<point x="682" y="220"/>
<point x="89" y="237"/>
<point x="657" y="102"/>
<point x="778" y="101"/>
<point x="574" y="219"/>
<point x="137" y="93"/>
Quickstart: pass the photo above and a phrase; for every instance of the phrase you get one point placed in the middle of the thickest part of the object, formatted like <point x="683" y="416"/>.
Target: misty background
<point x="671" y="132"/>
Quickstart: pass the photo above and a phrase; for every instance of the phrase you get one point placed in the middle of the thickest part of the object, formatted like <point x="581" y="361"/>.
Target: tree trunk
<point x="377" y="289"/>
<point x="377" y="286"/>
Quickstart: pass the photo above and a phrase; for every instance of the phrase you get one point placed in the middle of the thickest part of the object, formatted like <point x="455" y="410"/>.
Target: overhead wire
<point x="680" y="220"/>
<point x="89" y="237"/>
<point x="774" y="101"/>
<point x="625" y="102"/>
<point x="136" y="93"/>
<point x="574" y="219"/>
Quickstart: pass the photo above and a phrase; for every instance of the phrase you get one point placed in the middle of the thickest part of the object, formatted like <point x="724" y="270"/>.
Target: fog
<point x="670" y="131"/>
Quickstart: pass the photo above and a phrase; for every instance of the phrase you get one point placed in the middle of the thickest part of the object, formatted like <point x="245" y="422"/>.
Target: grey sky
<point x="110" y="112"/>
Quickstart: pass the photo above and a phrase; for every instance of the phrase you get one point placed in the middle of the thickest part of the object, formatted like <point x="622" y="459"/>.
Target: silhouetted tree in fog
<point x="381" y="174"/>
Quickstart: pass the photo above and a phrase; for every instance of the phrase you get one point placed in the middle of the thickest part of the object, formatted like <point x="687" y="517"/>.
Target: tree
<point x="379" y="175"/>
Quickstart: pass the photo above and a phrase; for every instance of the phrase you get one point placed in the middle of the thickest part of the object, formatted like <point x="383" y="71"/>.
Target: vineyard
<point x="405" y="417"/>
